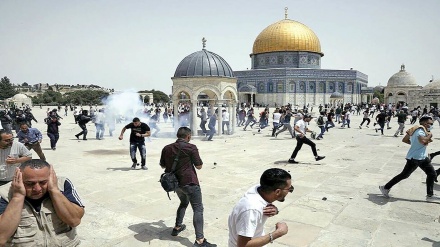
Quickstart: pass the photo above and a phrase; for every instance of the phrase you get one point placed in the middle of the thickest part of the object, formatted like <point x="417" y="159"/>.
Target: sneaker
<point x="292" y="161"/>
<point x="276" y="135"/>
<point x="376" y="130"/>
<point x="176" y="232"/>
<point x="77" y="137"/>
<point x="134" y="166"/>
<point x="317" y="158"/>
<point x="360" y="127"/>
<point x="395" y="135"/>
<point x="204" y="244"/>
<point x="84" y="139"/>
<point x="259" y="130"/>
<point x="368" y="126"/>
<point x="432" y="197"/>
<point x="384" y="191"/>
<point x="144" y="167"/>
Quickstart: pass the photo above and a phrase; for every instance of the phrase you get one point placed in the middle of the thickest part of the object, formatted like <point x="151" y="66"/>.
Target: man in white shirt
<point x="246" y="221"/>
<point x="301" y="138"/>
<point x="225" y="121"/>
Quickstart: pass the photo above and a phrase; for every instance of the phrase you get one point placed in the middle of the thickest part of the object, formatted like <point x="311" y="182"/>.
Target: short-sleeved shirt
<point x="247" y="218"/>
<point x="17" y="148"/>
<point x="302" y="125"/>
<point x="417" y="150"/>
<point x="141" y="129"/>
<point x="69" y="192"/>
<point x="188" y="159"/>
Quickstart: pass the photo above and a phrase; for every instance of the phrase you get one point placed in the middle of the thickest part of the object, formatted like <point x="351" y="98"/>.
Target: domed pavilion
<point x="403" y="89"/>
<point x="286" y="68"/>
<point x="398" y="87"/>
<point x="204" y="78"/>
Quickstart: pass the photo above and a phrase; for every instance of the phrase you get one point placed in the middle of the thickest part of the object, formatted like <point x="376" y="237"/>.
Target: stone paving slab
<point x="336" y="201"/>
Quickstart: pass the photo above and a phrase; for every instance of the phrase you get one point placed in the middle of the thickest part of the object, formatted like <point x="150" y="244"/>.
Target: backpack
<point x="168" y="180"/>
<point x="320" y="120"/>
<point x="78" y="118"/>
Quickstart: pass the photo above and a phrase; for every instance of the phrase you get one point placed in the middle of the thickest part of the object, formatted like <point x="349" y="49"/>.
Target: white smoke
<point x="126" y="104"/>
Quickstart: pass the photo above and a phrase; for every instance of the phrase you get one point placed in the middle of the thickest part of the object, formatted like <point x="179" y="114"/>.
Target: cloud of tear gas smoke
<point x="127" y="105"/>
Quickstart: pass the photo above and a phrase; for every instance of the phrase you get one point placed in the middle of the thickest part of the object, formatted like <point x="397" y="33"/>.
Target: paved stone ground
<point x="127" y="207"/>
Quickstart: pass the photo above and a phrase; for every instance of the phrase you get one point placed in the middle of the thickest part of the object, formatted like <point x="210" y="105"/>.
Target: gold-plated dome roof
<point x="287" y="35"/>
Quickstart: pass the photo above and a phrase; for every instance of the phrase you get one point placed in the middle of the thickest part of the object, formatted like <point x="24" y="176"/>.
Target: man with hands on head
<point x="247" y="219"/>
<point x="38" y="208"/>
<point x="12" y="154"/>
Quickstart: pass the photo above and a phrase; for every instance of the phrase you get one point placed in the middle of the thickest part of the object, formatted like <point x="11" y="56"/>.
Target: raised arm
<point x="11" y="217"/>
<point x="69" y="212"/>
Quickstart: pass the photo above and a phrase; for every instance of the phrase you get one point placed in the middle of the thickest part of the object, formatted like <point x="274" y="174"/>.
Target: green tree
<point x="7" y="90"/>
<point x="85" y="97"/>
<point x="24" y="84"/>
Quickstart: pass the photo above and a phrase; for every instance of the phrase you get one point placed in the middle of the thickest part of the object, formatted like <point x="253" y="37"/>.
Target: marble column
<point x="176" y="114"/>
<point x="232" y="118"/>
<point x="194" y="121"/>
<point x="219" y="119"/>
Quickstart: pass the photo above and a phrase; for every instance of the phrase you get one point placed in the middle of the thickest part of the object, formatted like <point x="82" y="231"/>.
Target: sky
<point x="134" y="44"/>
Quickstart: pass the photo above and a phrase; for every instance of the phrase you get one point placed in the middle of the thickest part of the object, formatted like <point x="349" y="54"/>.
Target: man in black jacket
<point x="83" y="119"/>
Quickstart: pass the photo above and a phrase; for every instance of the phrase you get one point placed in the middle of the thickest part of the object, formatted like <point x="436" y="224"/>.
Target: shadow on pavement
<point x="146" y="232"/>
<point x="379" y="199"/>
<point x="434" y="243"/>
<point x="120" y="168"/>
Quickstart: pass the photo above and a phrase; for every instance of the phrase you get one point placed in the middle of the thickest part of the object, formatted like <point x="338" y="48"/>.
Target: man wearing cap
<point x="301" y="138"/>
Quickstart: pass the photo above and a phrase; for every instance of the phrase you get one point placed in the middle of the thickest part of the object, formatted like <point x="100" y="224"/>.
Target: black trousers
<point x="410" y="167"/>
<point x="299" y="142"/>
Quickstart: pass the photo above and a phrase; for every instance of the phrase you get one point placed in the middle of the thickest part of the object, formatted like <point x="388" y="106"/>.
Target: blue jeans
<point x="142" y="151"/>
<point x="99" y="130"/>
<point x="191" y="194"/>
<point x="211" y="132"/>
<point x="53" y="139"/>
<point x="322" y="131"/>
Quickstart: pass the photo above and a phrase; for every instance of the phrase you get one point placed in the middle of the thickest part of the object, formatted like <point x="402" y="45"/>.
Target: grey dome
<point x="402" y="79"/>
<point x="336" y="95"/>
<point x="203" y="63"/>
<point x="433" y="85"/>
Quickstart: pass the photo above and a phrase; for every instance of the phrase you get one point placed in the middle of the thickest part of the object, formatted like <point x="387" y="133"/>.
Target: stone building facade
<point x="402" y="88"/>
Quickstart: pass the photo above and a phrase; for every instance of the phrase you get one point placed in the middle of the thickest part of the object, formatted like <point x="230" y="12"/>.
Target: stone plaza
<point x="336" y="201"/>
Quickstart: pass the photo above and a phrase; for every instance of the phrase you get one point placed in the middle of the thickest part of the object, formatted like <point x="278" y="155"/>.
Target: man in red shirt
<point x="189" y="187"/>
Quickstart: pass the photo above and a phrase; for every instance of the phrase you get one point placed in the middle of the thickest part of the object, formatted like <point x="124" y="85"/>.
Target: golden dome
<point x="287" y="35"/>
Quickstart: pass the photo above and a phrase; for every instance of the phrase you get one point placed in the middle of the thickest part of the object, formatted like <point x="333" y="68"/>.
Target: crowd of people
<point x="33" y="185"/>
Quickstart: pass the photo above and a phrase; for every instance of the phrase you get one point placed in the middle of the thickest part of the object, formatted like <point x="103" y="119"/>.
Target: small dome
<point x="287" y="35"/>
<point x="336" y="95"/>
<point x="433" y="85"/>
<point x="402" y="79"/>
<point x="379" y="89"/>
<point x="19" y="96"/>
<point x="203" y="63"/>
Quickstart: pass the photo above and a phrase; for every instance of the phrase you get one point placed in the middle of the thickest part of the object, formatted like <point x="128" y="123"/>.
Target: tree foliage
<point x="48" y="98"/>
<point x="85" y="97"/>
<point x="7" y="90"/>
<point x="158" y="96"/>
